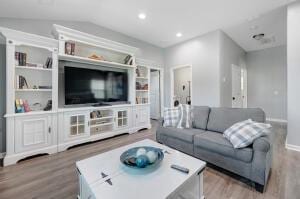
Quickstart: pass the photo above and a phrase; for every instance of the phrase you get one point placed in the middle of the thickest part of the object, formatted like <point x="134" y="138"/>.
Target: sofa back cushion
<point x="221" y="119"/>
<point x="200" y="116"/>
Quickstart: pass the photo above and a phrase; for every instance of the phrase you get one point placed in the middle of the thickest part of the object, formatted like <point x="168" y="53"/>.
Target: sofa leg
<point x="260" y="188"/>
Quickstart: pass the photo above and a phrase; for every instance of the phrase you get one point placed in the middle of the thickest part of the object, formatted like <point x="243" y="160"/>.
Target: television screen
<point x="89" y="86"/>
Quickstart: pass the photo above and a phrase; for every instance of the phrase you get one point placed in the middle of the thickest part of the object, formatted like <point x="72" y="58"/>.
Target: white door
<point x="237" y="93"/>
<point x="154" y="95"/>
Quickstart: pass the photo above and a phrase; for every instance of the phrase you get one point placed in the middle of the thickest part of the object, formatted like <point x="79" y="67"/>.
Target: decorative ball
<point x="141" y="161"/>
<point x="152" y="156"/>
<point x="141" y="151"/>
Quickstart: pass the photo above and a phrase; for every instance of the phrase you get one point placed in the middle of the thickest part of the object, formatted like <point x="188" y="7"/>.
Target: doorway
<point x="239" y="87"/>
<point x="155" y="90"/>
<point x="181" y="85"/>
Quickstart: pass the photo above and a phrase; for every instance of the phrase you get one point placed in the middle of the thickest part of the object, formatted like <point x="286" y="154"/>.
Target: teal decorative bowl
<point x="142" y="157"/>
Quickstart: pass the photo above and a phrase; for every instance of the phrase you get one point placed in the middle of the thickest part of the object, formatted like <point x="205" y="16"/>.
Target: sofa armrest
<point x="262" y="144"/>
<point x="161" y="121"/>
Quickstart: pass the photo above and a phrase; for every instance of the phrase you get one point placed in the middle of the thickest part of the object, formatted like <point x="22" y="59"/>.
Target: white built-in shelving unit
<point x="45" y="132"/>
<point x="142" y="86"/>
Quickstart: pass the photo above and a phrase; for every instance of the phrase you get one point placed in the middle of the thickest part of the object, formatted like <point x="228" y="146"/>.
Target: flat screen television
<point x="91" y="86"/>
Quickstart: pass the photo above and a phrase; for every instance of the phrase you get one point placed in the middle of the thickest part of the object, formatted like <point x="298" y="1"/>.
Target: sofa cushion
<point x="186" y="135"/>
<point x="200" y="116"/>
<point x="221" y="119"/>
<point x="215" y="142"/>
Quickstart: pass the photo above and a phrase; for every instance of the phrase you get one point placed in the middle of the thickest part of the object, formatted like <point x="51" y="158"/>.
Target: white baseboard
<point x="292" y="147"/>
<point x="277" y="120"/>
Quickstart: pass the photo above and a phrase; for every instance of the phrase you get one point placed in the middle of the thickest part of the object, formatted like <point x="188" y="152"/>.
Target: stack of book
<point x="21" y="82"/>
<point x="20" y="58"/>
<point x="22" y="106"/>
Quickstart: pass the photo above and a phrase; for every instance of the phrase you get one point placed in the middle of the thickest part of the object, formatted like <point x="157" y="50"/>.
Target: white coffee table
<point x="103" y="176"/>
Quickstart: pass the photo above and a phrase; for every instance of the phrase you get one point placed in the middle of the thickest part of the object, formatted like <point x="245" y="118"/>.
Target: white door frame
<point x="161" y="85"/>
<point x="244" y="86"/>
<point x="172" y="69"/>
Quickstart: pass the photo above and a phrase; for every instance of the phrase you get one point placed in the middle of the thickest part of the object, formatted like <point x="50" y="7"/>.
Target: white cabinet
<point x="122" y="118"/>
<point x="141" y="115"/>
<point x="76" y="125"/>
<point x="33" y="132"/>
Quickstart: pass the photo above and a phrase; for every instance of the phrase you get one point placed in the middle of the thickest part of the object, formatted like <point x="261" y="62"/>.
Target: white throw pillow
<point x="171" y="117"/>
<point x="242" y="134"/>
<point x="185" y="116"/>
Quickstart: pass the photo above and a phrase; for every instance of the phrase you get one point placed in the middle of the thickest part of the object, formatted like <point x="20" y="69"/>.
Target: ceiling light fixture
<point x="142" y="16"/>
<point x="179" y="34"/>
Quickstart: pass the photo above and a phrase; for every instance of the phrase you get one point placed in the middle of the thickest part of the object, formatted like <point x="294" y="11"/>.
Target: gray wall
<point x="203" y="53"/>
<point x="293" y="49"/>
<point x="211" y="56"/>
<point x="44" y="28"/>
<point x="182" y="76"/>
<point x="2" y="96"/>
<point x="231" y="53"/>
<point x="267" y="81"/>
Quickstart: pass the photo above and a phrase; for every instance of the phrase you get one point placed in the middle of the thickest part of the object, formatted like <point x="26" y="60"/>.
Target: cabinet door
<point x="76" y="125"/>
<point x="142" y="116"/>
<point x="33" y="132"/>
<point x="121" y="119"/>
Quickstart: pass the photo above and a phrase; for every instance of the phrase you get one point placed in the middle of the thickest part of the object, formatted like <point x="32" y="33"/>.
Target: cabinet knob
<point x="49" y="129"/>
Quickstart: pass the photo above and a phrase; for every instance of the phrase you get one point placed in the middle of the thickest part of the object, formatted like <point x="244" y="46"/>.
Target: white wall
<point x="231" y="53"/>
<point x="293" y="61"/>
<point x="203" y="54"/>
<point x="267" y="81"/>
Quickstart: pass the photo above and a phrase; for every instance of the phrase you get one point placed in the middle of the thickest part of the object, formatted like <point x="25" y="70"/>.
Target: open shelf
<point x="104" y="124"/>
<point x="34" y="68"/>
<point x="85" y="60"/>
<point x="33" y="90"/>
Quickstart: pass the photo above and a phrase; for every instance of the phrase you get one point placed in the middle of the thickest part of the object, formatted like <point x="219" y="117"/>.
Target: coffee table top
<point x="134" y="183"/>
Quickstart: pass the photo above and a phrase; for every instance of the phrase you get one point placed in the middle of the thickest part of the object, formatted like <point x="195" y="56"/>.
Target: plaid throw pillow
<point x="242" y="134"/>
<point x="171" y="117"/>
<point x="185" y="116"/>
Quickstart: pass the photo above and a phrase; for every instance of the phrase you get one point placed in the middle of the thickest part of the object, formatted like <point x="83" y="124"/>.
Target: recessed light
<point x="142" y="16"/>
<point x="179" y="34"/>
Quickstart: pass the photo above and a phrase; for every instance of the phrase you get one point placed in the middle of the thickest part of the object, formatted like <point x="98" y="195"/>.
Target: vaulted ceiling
<point x="164" y="18"/>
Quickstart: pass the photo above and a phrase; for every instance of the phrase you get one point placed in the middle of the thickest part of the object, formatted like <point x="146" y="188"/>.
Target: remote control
<point x="179" y="168"/>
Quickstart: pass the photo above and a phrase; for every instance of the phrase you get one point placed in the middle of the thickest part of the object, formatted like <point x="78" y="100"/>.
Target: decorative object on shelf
<point x="19" y="106"/>
<point x="26" y="106"/>
<point x="34" y="87"/>
<point x="70" y="48"/>
<point x="145" y="87"/>
<point x="137" y="71"/>
<point x="21" y="82"/>
<point x="20" y="58"/>
<point x="138" y="86"/>
<point x="48" y="63"/>
<point x="128" y="60"/>
<point x="44" y="87"/>
<point x="48" y="106"/>
<point x="142" y="157"/>
<point x="141" y="100"/>
<point x="36" y="106"/>
<point x="96" y="57"/>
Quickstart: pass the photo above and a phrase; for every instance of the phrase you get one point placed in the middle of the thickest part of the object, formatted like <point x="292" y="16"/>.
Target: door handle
<point x="233" y="98"/>
<point x="49" y="129"/>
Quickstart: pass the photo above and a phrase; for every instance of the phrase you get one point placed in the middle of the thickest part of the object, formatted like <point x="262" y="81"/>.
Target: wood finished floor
<point x="54" y="176"/>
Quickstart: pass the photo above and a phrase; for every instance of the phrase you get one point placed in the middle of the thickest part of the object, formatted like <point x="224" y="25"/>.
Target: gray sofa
<point x="206" y="142"/>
